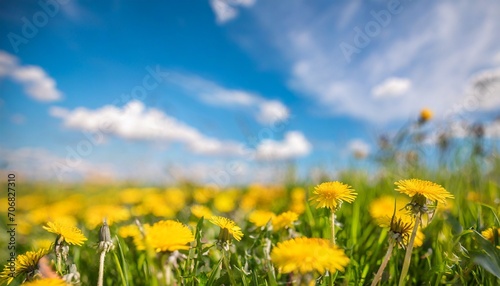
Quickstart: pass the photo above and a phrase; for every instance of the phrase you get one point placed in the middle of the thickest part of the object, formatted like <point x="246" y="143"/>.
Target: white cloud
<point x="35" y="81"/>
<point x="430" y="44"/>
<point x="226" y="10"/>
<point x="293" y="145"/>
<point x="265" y="111"/>
<point x="391" y="87"/>
<point x="8" y="63"/>
<point x="359" y="148"/>
<point x="272" y="111"/>
<point x="135" y="122"/>
<point x="40" y="164"/>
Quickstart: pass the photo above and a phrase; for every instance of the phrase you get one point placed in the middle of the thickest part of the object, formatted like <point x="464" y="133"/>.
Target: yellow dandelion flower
<point x="200" y="211"/>
<point x="489" y="234"/>
<point x="305" y="255"/>
<point x="176" y="199"/>
<point x="225" y="202"/>
<point x="46" y="282"/>
<point x="112" y="213"/>
<point x="227" y="225"/>
<point x="203" y="195"/>
<point x="51" y="213"/>
<point x="27" y="202"/>
<point x="24" y="264"/>
<point x="131" y="196"/>
<point x="131" y="230"/>
<point x="168" y="235"/>
<point x="427" y="189"/>
<point x="298" y="199"/>
<point x="135" y="233"/>
<point x="384" y="207"/>
<point x="24" y="225"/>
<point x="155" y="204"/>
<point x="473" y="196"/>
<point x="332" y="194"/>
<point x="425" y="115"/>
<point x="42" y="243"/>
<point x="70" y="234"/>
<point x="285" y="220"/>
<point x="260" y="218"/>
<point x="262" y="196"/>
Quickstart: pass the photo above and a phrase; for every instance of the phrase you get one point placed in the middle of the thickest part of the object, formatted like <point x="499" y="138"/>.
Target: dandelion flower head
<point x="489" y="233"/>
<point x="427" y="189"/>
<point x="305" y="255"/>
<point x="285" y="220"/>
<point x="70" y="234"/>
<point x="332" y="194"/>
<point x="46" y="282"/>
<point x="25" y="264"/>
<point x="168" y="235"/>
<point x="200" y="211"/>
<point x="227" y="225"/>
<point x="260" y="217"/>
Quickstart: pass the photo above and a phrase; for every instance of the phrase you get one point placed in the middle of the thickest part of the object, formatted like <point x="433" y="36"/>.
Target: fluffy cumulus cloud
<point x="293" y="145"/>
<point x="227" y="10"/>
<point x="272" y="111"/>
<point x="391" y="87"/>
<point x="438" y="46"/>
<point x="136" y="122"/>
<point x="35" y="81"/>
<point x="264" y="110"/>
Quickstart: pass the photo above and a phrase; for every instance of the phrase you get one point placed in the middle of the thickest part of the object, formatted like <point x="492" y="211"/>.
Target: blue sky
<point x="228" y="91"/>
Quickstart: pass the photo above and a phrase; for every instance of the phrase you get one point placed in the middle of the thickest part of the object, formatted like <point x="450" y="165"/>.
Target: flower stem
<point x="228" y="269"/>
<point x="58" y="263"/>
<point x="333" y="227"/>
<point x="406" y="263"/>
<point x="101" y="268"/>
<point x="380" y="271"/>
<point x="168" y="273"/>
<point x="166" y="268"/>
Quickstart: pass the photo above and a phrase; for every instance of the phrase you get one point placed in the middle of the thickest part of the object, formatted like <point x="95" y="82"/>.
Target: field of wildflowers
<point x="410" y="224"/>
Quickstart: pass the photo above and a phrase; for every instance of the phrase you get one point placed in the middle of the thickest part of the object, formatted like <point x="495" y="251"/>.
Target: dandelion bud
<point x="104" y="234"/>
<point x="105" y="242"/>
